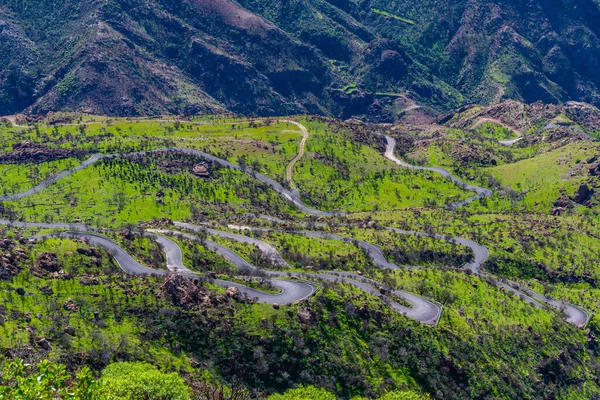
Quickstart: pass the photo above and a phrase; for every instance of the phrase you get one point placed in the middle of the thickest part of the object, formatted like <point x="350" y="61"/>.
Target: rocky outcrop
<point x="235" y="294"/>
<point x="36" y="153"/>
<point x="184" y="292"/>
<point x="306" y="316"/>
<point x="90" y="252"/>
<point x="48" y="262"/>
<point x="202" y="170"/>
<point x="595" y="168"/>
<point x="47" y="290"/>
<point x="10" y="256"/>
<point x="189" y="293"/>
<point x="70" y="305"/>
<point x="583" y="195"/>
<point x="44" y="344"/>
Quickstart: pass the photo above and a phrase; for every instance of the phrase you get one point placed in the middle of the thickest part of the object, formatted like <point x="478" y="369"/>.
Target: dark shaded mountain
<point x="344" y="58"/>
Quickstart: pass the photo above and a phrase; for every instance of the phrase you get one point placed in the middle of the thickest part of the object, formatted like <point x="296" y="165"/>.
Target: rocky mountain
<point x="343" y="58"/>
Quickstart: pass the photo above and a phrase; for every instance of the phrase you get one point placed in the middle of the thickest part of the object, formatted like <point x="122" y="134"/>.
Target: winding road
<point x="291" y="291"/>
<point x="481" y="192"/>
<point x="421" y="309"/>
<point x="291" y="196"/>
<point x="508" y="142"/>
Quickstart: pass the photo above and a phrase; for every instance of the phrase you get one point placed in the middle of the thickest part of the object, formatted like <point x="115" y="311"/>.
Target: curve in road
<point x="508" y="142"/>
<point x="574" y="315"/>
<point x="123" y="259"/>
<point x="293" y="197"/>
<point x="481" y="192"/>
<point x="420" y="309"/>
<point x="291" y="291"/>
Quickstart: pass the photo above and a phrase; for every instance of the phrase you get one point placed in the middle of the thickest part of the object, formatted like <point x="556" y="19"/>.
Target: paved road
<point x="291" y="196"/>
<point x="510" y="142"/>
<point x="44" y="184"/>
<point x="123" y="259"/>
<point x="290" y="291"/>
<point x="421" y="309"/>
<point x="574" y="314"/>
<point x="481" y="192"/>
<point x="13" y="121"/>
<point x="268" y="250"/>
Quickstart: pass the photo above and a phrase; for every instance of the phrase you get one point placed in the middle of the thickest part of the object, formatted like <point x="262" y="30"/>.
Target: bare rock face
<point x="69" y="330"/>
<point x="47" y="290"/>
<point x="563" y="202"/>
<point x="90" y="252"/>
<point x="10" y="257"/>
<point x="235" y="294"/>
<point x="6" y="244"/>
<point x="595" y="168"/>
<point x="44" y="344"/>
<point x="89" y="280"/>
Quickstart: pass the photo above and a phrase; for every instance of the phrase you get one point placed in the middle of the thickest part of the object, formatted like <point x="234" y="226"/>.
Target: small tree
<point x="47" y="381"/>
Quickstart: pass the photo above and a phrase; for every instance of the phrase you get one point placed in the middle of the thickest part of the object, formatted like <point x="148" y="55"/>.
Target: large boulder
<point x="306" y="316"/>
<point x="184" y="292"/>
<point x="235" y="294"/>
<point x="48" y="262"/>
<point x="584" y="193"/>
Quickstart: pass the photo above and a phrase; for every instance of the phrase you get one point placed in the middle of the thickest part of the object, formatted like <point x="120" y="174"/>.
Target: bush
<point x="47" y="381"/>
<point x="313" y="393"/>
<point x="304" y="393"/>
<point x="403" y="395"/>
<point x="143" y="381"/>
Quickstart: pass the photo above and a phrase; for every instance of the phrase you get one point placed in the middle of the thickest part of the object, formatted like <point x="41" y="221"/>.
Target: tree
<point x="47" y="381"/>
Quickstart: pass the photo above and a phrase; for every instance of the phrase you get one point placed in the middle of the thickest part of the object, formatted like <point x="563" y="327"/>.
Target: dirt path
<point x="289" y="170"/>
<point x="13" y="121"/>
<point x="508" y="142"/>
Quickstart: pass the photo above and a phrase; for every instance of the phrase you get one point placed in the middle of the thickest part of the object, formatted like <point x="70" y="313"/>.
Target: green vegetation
<point x="143" y="381"/>
<point x="46" y="381"/>
<point x="338" y="173"/>
<point x="149" y="337"/>
<point x="121" y="191"/>
<point x="312" y="393"/>
<point x="16" y="178"/>
<point x="493" y="130"/>
<point x="390" y="15"/>
<point x="539" y="181"/>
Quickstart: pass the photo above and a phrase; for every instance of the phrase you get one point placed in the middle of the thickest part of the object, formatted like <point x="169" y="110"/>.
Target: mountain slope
<point x="344" y="58"/>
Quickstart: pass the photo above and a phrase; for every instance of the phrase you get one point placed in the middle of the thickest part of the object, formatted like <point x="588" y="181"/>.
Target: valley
<point x="440" y="230"/>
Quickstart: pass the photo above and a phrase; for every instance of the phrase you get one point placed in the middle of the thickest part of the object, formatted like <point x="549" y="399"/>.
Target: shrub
<point x="47" y="381"/>
<point x="304" y="393"/>
<point x="143" y="381"/>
